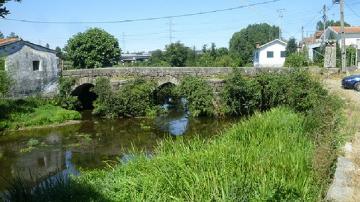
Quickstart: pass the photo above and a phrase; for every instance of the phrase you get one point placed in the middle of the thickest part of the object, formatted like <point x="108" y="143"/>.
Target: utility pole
<point x="302" y="33"/>
<point x="324" y="23"/>
<point x="343" y="48"/>
<point x="281" y="16"/>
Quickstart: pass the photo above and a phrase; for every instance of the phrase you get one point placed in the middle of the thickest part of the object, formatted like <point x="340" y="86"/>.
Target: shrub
<point x="106" y="103"/>
<point x="199" y="95"/>
<point x="296" y="60"/>
<point x="64" y="98"/>
<point x="136" y="97"/>
<point x="240" y="95"/>
<point x="5" y="83"/>
<point x="273" y="89"/>
<point x="133" y="99"/>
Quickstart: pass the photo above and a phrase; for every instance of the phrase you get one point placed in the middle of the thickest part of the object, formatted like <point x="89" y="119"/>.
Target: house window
<point x="270" y="54"/>
<point x="283" y="54"/>
<point x="36" y="65"/>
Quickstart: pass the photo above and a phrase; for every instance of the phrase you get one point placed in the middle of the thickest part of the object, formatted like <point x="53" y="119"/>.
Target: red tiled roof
<point x="8" y="41"/>
<point x="347" y="29"/>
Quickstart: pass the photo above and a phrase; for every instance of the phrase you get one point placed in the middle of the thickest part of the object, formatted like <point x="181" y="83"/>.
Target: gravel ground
<point x="346" y="184"/>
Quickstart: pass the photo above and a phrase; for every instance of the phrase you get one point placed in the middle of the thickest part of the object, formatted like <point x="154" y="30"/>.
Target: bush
<point x="64" y="98"/>
<point x="136" y="98"/>
<point x="106" y="103"/>
<point x="296" y="60"/>
<point x="240" y="95"/>
<point x="133" y="99"/>
<point x="199" y="96"/>
<point x="5" y="83"/>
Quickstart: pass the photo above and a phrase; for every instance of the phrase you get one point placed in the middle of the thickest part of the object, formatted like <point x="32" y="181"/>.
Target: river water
<point x="94" y="143"/>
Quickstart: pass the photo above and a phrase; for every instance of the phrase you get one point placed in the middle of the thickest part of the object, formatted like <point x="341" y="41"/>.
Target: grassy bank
<point x="270" y="156"/>
<point x="32" y="112"/>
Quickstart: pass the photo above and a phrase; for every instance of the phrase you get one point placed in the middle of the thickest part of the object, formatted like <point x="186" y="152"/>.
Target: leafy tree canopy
<point x="12" y="35"/>
<point x="93" y="48"/>
<point x="320" y="24"/>
<point x="176" y="54"/>
<point x="243" y="43"/>
<point x="291" y="47"/>
<point x="3" y="10"/>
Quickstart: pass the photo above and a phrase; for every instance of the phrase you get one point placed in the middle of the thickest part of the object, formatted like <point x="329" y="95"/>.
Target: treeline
<point x="179" y="55"/>
<point x="96" y="48"/>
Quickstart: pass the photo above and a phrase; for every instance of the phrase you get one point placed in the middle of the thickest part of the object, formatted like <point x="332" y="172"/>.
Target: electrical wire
<point x="143" y="19"/>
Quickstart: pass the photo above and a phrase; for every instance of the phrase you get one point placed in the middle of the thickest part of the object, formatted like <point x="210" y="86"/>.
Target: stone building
<point x="33" y="68"/>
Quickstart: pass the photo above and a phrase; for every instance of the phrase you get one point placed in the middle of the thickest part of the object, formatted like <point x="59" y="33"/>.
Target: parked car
<point x="351" y="82"/>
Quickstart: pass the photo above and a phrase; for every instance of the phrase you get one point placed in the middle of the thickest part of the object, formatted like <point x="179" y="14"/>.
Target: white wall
<point x="276" y="61"/>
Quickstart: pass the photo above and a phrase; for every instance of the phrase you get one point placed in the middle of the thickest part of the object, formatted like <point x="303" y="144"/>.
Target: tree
<point x="1" y="35"/>
<point x="243" y="43"/>
<point x="59" y="53"/>
<point x="47" y="45"/>
<point x="291" y="47"/>
<point x="176" y="54"/>
<point x="320" y="24"/>
<point x="12" y="35"/>
<point x="93" y="48"/>
<point x="5" y="80"/>
<point x="3" y="10"/>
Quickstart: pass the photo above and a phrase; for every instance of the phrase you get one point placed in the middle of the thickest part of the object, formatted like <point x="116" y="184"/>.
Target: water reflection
<point x="94" y="143"/>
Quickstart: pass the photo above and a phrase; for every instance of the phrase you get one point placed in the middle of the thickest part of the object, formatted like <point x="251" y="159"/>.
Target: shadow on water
<point x="94" y="143"/>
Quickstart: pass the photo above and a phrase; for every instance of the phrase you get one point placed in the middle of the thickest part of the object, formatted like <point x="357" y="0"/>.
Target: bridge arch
<point x="85" y="96"/>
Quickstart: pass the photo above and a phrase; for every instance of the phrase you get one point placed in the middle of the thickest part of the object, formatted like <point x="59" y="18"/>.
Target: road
<point x="346" y="184"/>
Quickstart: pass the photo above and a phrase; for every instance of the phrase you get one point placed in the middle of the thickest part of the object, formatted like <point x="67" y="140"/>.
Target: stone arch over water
<point x="85" y="95"/>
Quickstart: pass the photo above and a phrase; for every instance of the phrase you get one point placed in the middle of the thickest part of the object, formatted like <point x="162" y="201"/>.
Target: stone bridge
<point x="162" y="75"/>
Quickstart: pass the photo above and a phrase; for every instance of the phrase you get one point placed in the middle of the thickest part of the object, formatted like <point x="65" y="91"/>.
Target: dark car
<point x="351" y="82"/>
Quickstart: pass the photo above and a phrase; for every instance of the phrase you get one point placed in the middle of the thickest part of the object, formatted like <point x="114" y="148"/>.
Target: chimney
<point x="257" y="45"/>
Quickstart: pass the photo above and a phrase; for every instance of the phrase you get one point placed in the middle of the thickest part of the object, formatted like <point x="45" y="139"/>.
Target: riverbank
<point x="32" y="113"/>
<point x="270" y="156"/>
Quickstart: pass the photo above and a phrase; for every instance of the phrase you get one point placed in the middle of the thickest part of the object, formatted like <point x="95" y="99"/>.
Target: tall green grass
<point x="32" y="112"/>
<point x="267" y="157"/>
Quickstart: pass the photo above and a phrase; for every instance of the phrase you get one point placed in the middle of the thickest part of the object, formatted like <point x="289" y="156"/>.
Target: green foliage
<point x="5" y="83"/>
<point x="296" y="60"/>
<point x="176" y="54"/>
<point x="53" y="188"/>
<point x="243" y="43"/>
<point x="132" y="100"/>
<point x="136" y="98"/>
<point x="320" y="24"/>
<point x="240" y="95"/>
<point x="93" y="49"/>
<point x="106" y="103"/>
<point x="291" y="47"/>
<point x="351" y="56"/>
<point x="64" y="98"/>
<point x="1" y="35"/>
<point x="199" y="96"/>
<point x="3" y="10"/>
<point x="253" y="161"/>
<point x="32" y="112"/>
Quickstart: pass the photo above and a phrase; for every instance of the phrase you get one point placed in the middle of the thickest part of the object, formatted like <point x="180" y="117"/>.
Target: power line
<point x="352" y="10"/>
<point x="144" y="19"/>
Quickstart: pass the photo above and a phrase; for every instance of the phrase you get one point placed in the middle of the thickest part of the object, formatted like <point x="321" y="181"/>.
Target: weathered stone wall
<point x="19" y="66"/>
<point x="214" y="75"/>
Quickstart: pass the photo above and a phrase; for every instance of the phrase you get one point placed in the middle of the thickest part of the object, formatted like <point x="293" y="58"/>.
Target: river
<point x="94" y="143"/>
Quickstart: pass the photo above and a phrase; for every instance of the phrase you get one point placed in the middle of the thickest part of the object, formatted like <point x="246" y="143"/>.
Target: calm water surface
<point x="94" y="143"/>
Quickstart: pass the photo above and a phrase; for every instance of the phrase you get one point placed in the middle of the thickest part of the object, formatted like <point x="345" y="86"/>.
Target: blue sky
<point x="150" y="35"/>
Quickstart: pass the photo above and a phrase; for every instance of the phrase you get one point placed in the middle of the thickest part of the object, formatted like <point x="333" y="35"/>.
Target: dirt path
<point x="346" y="184"/>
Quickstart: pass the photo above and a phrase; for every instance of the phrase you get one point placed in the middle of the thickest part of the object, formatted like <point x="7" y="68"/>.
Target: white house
<point x="352" y="38"/>
<point x="271" y="54"/>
